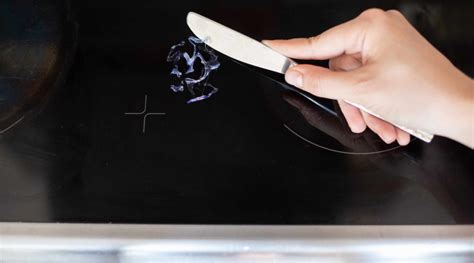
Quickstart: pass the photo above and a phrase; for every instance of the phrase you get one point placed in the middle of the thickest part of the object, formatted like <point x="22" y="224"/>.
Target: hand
<point x="380" y="61"/>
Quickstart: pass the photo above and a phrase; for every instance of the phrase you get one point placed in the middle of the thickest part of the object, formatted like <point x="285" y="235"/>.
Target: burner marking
<point x="145" y="114"/>
<point x="11" y="125"/>
<point x="336" y="151"/>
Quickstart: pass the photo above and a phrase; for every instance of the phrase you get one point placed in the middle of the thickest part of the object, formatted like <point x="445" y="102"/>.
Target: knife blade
<point x="237" y="45"/>
<point x="245" y="49"/>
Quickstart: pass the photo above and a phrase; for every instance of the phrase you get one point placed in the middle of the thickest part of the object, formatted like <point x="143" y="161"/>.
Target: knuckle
<point x="373" y="14"/>
<point x="377" y="18"/>
<point x="394" y="12"/>
<point x="312" y="40"/>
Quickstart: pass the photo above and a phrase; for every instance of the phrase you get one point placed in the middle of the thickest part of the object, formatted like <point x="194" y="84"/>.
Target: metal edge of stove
<point x="58" y="242"/>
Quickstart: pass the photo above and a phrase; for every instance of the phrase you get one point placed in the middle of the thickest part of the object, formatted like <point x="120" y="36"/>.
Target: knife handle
<point x="422" y="135"/>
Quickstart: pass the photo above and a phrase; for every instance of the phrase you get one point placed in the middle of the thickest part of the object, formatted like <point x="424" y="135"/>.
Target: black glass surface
<point x="106" y="140"/>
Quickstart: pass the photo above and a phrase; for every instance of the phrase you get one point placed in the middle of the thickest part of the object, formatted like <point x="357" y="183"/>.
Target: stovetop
<point x="113" y="143"/>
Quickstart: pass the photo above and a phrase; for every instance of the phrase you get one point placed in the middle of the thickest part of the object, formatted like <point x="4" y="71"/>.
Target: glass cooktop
<point x="97" y="135"/>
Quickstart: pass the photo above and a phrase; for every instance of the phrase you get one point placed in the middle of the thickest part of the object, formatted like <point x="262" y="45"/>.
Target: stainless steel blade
<point x="237" y="45"/>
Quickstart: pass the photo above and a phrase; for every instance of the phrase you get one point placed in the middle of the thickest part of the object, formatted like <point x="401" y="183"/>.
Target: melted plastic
<point x="191" y="76"/>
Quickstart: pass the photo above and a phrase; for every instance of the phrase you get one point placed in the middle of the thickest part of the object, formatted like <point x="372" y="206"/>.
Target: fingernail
<point x="294" y="77"/>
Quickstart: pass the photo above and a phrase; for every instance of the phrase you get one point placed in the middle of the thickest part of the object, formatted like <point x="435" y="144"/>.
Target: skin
<point x="380" y="61"/>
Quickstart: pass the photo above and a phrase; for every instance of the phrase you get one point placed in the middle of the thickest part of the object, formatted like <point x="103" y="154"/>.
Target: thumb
<point x="323" y="82"/>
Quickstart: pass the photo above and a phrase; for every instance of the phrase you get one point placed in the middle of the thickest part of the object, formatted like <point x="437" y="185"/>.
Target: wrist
<point x="457" y="122"/>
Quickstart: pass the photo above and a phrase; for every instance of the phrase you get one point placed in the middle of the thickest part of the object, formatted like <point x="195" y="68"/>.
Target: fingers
<point x="385" y="130"/>
<point x="353" y="117"/>
<point x="347" y="38"/>
<point x="323" y="82"/>
<point x="299" y="48"/>
<point x="357" y="123"/>
<point x="357" y="120"/>
<point x="403" y="138"/>
<point x="338" y="85"/>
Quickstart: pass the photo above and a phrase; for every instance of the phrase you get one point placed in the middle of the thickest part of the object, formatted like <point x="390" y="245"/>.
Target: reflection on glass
<point x="335" y="136"/>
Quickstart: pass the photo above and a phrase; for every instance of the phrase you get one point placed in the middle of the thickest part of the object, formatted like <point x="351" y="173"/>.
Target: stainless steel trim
<point x="233" y="243"/>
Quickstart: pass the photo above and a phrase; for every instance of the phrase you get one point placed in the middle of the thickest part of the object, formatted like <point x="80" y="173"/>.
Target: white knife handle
<point x="422" y="135"/>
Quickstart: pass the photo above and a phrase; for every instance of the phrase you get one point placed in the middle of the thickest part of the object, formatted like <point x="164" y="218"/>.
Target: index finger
<point x="346" y="38"/>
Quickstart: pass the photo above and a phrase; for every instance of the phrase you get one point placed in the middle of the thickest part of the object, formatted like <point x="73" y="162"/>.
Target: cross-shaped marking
<point x="144" y="113"/>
